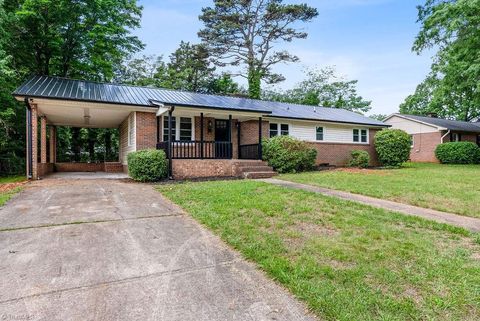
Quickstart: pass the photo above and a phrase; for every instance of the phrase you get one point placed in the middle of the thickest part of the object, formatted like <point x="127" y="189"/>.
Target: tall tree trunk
<point x="108" y="145"/>
<point x="254" y="83"/>
<point x="91" y="143"/>
<point x="76" y="144"/>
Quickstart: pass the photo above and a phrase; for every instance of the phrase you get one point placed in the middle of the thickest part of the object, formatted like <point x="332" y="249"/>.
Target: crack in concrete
<point x="12" y="229"/>
<point x="176" y="272"/>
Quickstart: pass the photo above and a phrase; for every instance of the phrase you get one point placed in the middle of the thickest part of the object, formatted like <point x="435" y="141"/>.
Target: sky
<point x="366" y="40"/>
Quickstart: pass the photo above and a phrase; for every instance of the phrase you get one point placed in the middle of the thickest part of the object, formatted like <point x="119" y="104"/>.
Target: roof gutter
<point x="29" y="138"/>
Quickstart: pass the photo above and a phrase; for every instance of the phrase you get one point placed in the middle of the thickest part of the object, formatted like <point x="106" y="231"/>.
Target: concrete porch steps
<point x="254" y="169"/>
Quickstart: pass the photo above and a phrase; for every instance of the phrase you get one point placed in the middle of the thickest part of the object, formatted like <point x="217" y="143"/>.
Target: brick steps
<point x="256" y="175"/>
<point x="253" y="169"/>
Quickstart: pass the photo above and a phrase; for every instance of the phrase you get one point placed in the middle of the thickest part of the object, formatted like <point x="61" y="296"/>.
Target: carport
<point x="44" y="115"/>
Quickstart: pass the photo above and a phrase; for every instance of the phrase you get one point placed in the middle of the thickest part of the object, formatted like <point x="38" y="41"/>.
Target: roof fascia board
<point x="417" y="121"/>
<point x="328" y="121"/>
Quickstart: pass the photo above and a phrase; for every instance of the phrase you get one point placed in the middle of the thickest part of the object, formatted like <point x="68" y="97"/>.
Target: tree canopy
<point x="244" y="33"/>
<point x="452" y="89"/>
<point x="322" y="87"/>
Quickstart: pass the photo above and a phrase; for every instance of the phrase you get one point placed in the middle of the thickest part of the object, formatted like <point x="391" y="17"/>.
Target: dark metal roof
<point x="455" y="125"/>
<point x="79" y="90"/>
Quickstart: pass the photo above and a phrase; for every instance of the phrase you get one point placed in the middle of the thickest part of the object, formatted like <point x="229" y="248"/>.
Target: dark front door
<point x="222" y="144"/>
<point x="478" y="140"/>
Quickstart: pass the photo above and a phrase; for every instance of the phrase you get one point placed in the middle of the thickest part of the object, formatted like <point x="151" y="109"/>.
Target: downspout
<point x="29" y="137"/>
<point x="443" y="137"/>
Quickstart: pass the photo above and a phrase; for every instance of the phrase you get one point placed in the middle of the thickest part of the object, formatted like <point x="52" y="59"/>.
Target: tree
<point x="323" y="88"/>
<point x="244" y="32"/>
<point x="83" y="38"/>
<point x="78" y="39"/>
<point x="453" y="88"/>
<point x="380" y="117"/>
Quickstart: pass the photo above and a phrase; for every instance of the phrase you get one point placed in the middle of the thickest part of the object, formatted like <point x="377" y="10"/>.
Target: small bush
<point x="458" y="153"/>
<point x="288" y="155"/>
<point x="360" y="158"/>
<point x="148" y="165"/>
<point x="392" y="146"/>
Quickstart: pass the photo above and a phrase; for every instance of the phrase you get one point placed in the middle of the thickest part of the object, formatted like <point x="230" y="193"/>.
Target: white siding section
<point x="333" y="133"/>
<point x="410" y="126"/>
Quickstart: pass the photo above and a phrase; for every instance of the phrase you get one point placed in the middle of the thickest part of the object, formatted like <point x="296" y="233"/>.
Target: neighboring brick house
<point x="428" y="132"/>
<point x="210" y="135"/>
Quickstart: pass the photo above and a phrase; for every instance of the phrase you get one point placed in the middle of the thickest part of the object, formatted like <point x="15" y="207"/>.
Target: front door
<point x="222" y="145"/>
<point x="478" y="140"/>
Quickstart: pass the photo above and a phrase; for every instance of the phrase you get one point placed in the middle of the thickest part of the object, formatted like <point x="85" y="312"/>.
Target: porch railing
<point x="197" y="149"/>
<point x="251" y="151"/>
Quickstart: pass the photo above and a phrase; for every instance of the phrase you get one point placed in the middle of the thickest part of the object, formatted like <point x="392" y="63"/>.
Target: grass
<point x="449" y="188"/>
<point x="7" y="195"/>
<point x="12" y="179"/>
<point x="347" y="261"/>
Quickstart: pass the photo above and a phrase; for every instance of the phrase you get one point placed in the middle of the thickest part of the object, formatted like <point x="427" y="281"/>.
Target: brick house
<point x="203" y="135"/>
<point x="428" y="132"/>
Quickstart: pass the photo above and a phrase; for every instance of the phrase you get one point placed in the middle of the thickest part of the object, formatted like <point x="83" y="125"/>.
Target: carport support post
<point x="170" y="142"/>
<point x="201" y="135"/>
<point x="34" y="131"/>
<point x="260" y="138"/>
<point x="53" y="144"/>
<point x="43" y="139"/>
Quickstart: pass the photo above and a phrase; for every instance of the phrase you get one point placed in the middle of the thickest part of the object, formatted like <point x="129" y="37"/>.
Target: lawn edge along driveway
<point x="346" y="260"/>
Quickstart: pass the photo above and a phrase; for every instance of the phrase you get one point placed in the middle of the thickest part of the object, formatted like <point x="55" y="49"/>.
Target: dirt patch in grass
<point x="7" y="187"/>
<point x="366" y="171"/>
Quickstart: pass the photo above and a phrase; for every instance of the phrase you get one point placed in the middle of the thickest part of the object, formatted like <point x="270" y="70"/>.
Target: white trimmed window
<point x="360" y="135"/>
<point x="412" y="141"/>
<point x="273" y="130"/>
<point x="131" y="129"/>
<point x="181" y="130"/>
<point x="279" y="129"/>
<point x="319" y="133"/>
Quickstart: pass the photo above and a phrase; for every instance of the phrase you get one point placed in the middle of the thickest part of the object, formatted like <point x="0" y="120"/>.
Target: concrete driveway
<point x="114" y="250"/>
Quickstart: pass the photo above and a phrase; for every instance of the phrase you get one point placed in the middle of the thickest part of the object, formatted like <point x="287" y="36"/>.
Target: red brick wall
<point x="146" y="130"/>
<point x="339" y="154"/>
<point x="44" y="169"/>
<point x="249" y="132"/>
<point x="79" y="167"/>
<point x="424" y="146"/>
<point x="198" y="168"/>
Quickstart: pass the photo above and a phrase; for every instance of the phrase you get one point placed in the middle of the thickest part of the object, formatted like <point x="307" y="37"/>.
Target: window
<point x="182" y="128"/>
<point x="412" y="141"/>
<point x="360" y="135"/>
<point x="455" y="137"/>
<point x="284" y="129"/>
<point x="319" y="133"/>
<point x="165" y="128"/>
<point x="185" y="129"/>
<point x="273" y="130"/>
<point x="356" y="135"/>
<point x="131" y="129"/>
<point x="364" y="136"/>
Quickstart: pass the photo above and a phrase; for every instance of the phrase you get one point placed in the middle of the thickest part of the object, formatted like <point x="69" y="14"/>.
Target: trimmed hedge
<point x="458" y="153"/>
<point x="359" y="158"/>
<point x="148" y="165"/>
<point x="288" y="155"/>
<point x="392" y="146"/>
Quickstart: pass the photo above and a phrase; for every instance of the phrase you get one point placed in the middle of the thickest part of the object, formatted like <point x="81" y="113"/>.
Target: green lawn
<point x="5" y="196"/>
<point x="450" y="188"/>
<point x="347" y="261"/>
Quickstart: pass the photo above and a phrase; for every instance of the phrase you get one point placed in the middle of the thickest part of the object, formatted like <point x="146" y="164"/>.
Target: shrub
<point x="288" y="155"/>
<point x="147" y="165"/>
<point x="458" y="153"/>
<point x="360" y="158"/>
<point x="392" y="146"/>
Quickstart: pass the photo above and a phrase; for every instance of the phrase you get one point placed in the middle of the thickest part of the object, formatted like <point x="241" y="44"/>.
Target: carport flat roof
<point x="108" y="93"/>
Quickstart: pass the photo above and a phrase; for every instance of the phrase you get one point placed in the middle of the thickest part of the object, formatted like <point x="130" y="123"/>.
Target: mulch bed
<point x="10" y="186"/>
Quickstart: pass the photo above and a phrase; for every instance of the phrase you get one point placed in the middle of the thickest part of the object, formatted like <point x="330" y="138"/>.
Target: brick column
<point x="53" y="144"/>
<point x="43" y="139"/>
<point x="34" y="142"/>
